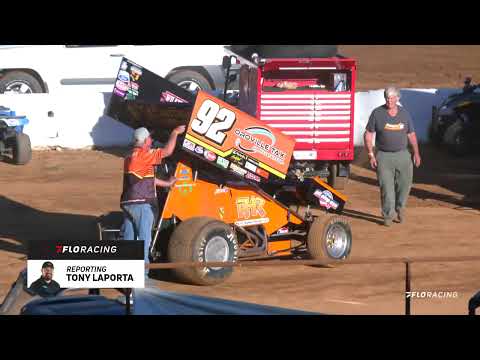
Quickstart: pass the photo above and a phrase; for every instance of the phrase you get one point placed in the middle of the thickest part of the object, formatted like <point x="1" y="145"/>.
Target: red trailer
<point x="309" y="99"/>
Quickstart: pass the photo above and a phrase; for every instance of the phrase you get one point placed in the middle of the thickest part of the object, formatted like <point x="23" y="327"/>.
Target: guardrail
<point x="473" y="303"/>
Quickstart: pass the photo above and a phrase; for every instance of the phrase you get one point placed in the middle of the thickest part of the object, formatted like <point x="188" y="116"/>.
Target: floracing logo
<point x="250" y="206"/>
<point x="326" y="199"/>
<point x="257" y="139"/>
<point x="169" y="97"/>
<point x="98" y="249"/>
<point x="432" y="294"/>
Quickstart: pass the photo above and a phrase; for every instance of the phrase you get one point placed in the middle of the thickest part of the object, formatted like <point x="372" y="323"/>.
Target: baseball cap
<point x="140" y="135"/>
<point x="47" y="264"/>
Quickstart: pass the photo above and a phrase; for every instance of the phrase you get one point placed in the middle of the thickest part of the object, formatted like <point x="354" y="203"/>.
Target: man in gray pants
<point x="394" y="129"/>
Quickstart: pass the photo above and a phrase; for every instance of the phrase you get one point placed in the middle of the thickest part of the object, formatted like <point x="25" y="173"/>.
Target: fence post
<point x="408" y="295"/>
<point x="128" y="296"/>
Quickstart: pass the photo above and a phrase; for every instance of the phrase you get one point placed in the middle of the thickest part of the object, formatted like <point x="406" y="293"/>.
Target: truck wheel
<point x="190" y="80"/>
<point x="456" y="140"/>
<point x="19" y="82"/>
<point x="335" y="181"/>
<point x="203" y="239"/>
<point x="329" y="238"/>
<point x="21" y="149"/>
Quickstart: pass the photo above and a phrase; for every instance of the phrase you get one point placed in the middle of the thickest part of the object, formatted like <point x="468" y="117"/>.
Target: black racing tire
<point x="323" y="231"/>
<point x="12" y="78"/>
<point x="286" y="51"/>
<point x="189" y="243"/>
<point x="21" y="149"/>
<point x="456" y="140"/>
<point x="335" y="181"/>
<point x="184" y="77"/>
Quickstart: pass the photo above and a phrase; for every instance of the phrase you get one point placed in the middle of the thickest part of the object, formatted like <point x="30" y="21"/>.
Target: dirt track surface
<point x="59" y="194"/>
<point x="413" y="66"/>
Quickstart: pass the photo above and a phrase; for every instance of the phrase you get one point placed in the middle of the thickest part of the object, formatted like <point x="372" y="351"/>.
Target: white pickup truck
<point x="28" y="69"/>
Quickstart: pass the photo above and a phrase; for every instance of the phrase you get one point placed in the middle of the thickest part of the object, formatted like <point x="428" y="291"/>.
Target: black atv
<point x="456" y="122"/>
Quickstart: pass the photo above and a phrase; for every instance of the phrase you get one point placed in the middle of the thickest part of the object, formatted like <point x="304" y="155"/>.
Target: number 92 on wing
<point x="225" y="130"/>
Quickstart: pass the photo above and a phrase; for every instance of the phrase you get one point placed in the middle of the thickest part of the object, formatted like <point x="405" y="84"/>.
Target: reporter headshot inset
<point x="45" y="286"/>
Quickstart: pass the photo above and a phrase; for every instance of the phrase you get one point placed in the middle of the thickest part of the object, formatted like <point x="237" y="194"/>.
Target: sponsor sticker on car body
<point x="237" y="169"/>
<point x="262" y="173"/>
<point x="187" y="144"/>
<point x="221" y="191"/>
<point x="119" y="93"/>
<point x="238" y="136"/>
<point x="170" y="97"/>
<point x="135" y="72"/>
<point x="199" y="149"/>
<point x="210" y="156"/>
<point x="123" y="76"/>
<point x="223" y="162"/>
<point x="122" y="86"/>
<point x="134" y="86"/>
<point x="254" y="177"/>
<point x="326" y="199"/>
<point x="250" y="166"/>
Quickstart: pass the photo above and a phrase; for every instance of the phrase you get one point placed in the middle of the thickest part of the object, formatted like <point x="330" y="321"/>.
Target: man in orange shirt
<point x="139" y="185"/>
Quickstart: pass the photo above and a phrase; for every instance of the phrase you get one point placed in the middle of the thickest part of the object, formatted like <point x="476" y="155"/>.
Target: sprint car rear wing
<point x="217" y="133"/>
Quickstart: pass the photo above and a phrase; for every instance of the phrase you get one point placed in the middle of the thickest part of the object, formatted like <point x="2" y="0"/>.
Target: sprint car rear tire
<point x="21" y="149"/>
<point x="203" y="239"/>
<point x="329" y="238"/>
<point x="190" y="80"/>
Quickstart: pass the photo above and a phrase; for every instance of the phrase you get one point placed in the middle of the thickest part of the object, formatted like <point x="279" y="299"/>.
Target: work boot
<point x="400" y="215"/>
<point x="387" y="222"/>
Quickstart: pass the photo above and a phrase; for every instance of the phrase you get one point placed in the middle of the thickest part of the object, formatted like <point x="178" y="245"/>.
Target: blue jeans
<point x="143" y="217"/>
